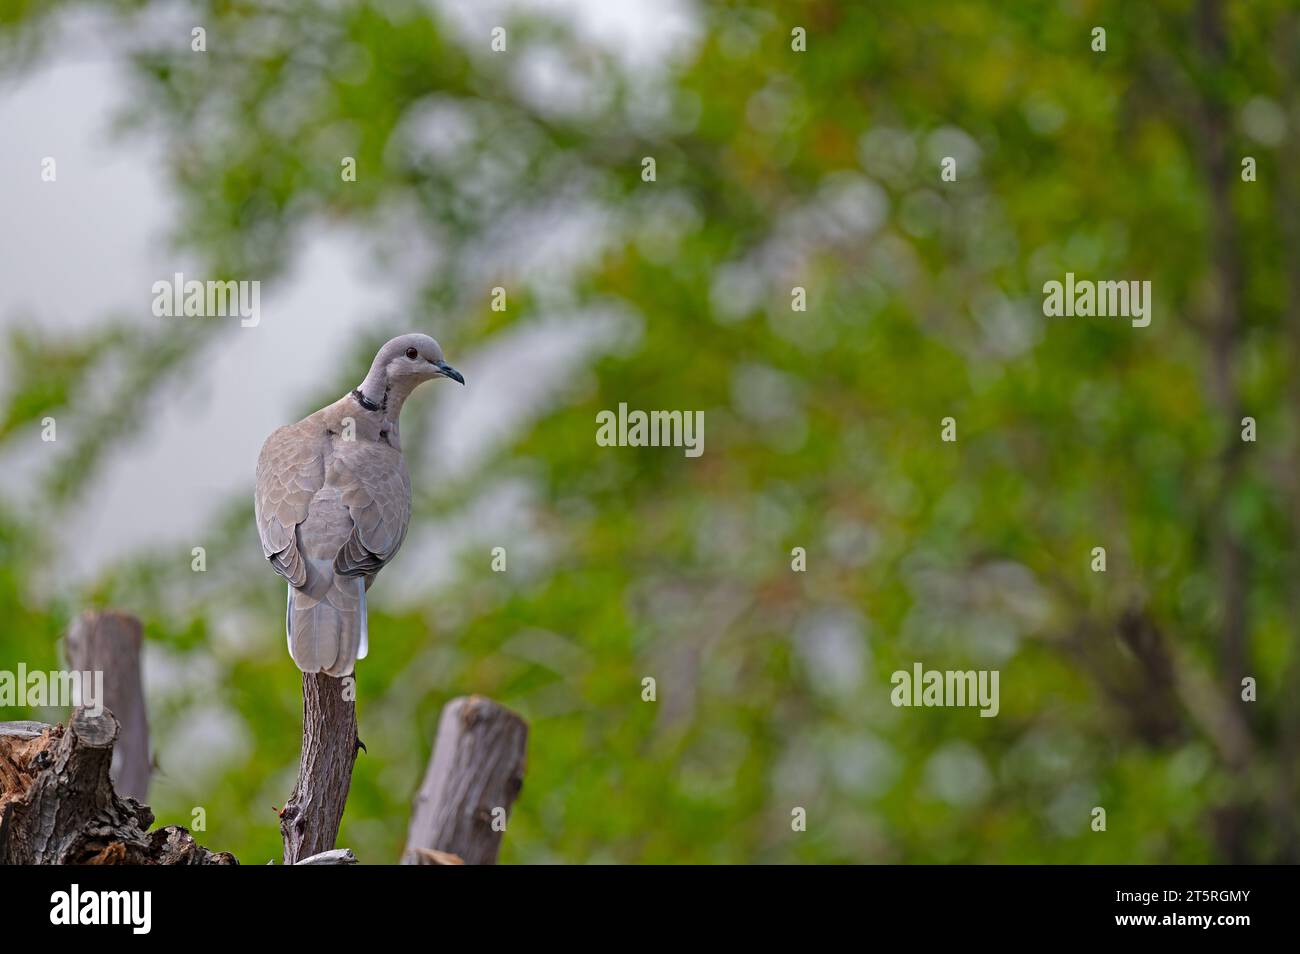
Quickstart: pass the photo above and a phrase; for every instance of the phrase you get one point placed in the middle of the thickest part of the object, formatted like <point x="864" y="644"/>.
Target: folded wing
<point x="290" y="472"/>
<point x="376" y="489"/>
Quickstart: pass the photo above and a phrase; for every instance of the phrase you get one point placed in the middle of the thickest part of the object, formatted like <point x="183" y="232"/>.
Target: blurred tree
<point x="776" y="169"/>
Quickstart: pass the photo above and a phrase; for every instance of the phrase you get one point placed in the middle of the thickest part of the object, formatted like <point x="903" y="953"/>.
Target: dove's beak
<point x="447" y="371"/>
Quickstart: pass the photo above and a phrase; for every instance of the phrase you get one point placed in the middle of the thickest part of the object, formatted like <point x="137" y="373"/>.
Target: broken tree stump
<point x="58" y="806"/>
<point x="475" y="773"/>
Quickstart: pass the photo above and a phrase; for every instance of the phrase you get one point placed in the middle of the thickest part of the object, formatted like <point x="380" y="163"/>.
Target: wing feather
<point x="290" y="471"/>
<point x="376" y="488"/>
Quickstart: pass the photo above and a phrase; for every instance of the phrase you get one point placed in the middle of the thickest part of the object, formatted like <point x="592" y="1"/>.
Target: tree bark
<point x="309" y="822"/>
<point x="475" y="773"/>
<point x="109" y="642"/>
<point x="57" y="804"/>
<point x="1231" y="555"/>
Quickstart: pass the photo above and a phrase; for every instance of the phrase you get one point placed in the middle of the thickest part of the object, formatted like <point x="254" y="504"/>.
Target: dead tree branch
<point x="309" y="822"/>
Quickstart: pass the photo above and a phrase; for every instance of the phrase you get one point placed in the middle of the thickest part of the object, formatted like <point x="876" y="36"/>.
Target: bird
<point x="333" y="503"/>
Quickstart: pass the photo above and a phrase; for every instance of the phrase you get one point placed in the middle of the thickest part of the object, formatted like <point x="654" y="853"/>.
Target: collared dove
<point x="333" y="501"/>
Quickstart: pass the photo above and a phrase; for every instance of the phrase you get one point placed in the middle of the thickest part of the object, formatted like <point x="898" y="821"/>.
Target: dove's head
<point x="401" y="365"/>
<point x="410" y="359"/>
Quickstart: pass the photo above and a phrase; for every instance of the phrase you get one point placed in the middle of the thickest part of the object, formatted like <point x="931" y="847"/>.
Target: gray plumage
<point x="333" y="501"/>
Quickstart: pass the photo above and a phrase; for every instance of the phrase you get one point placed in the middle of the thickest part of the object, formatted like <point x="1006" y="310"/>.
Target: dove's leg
<point x="365" y="630"/>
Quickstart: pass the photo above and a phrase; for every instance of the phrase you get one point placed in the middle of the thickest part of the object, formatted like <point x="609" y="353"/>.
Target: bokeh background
<point x="775" y="169"/>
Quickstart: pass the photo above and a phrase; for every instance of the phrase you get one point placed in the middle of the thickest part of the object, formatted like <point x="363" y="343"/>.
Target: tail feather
<point x="326" y="635"/>
<point x="364" y="649"/>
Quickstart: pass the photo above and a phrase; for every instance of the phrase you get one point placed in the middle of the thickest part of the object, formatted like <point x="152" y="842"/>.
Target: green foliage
<point x="775" y="169"/>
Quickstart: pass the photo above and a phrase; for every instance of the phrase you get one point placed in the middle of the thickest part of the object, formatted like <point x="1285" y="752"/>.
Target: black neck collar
<point x="365" y="402"/>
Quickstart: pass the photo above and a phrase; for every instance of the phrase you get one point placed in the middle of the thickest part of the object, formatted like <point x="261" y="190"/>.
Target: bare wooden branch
<point x="109" y="642"/>
<point x="57" y="804"/>
<point x="339" y="856"/>
<point x="475" y="773"/>
<point x="309" y="822"/>
<point x="25" y="729"/>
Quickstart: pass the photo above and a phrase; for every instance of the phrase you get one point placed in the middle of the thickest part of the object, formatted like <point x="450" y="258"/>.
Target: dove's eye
<point x="412" y="353"/>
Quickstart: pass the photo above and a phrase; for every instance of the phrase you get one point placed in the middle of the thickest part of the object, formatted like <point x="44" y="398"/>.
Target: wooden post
<point x="109" y="642"/>
<point x="474" y="775"/>
<point x="309" y="822"/>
